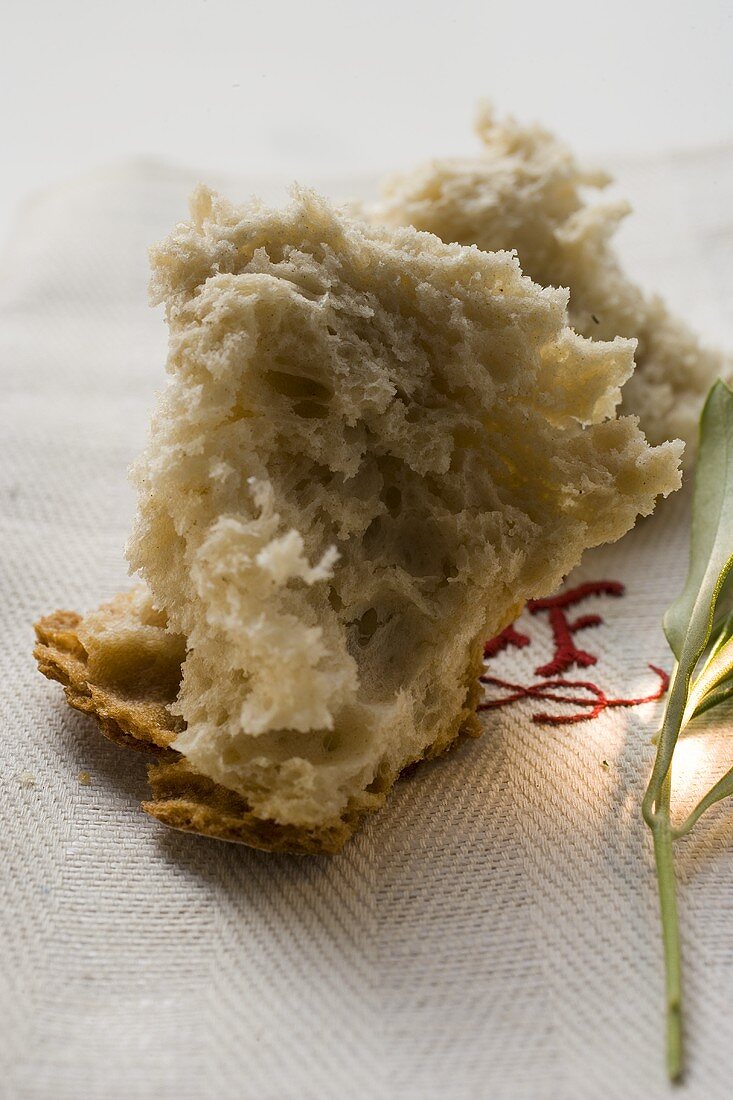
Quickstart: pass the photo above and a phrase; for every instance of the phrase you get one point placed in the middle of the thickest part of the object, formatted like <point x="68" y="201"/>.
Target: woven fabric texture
<point x="494" y="931"/>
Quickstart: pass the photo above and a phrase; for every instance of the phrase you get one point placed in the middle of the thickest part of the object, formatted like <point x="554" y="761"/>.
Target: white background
<point x="314" y="86"/>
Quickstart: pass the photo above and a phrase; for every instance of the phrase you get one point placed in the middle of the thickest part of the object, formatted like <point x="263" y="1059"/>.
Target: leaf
<point x="688" y="622"/>
<point x="720" y="693"/>
<point x="716" y="671"/>
<point x="714" y="689"/>
<point x="689" y="618"/>
<point x="722" y="789"/>
<point x="724" y="609"/>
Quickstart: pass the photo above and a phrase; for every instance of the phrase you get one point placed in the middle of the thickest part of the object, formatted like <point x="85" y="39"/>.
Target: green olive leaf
<point x="709" y="686"/>
<point x="723" y="625"/>
<point x="688" y="622"/>
<point x="717" y="695"/>
<point x="689" y="619"/>
<point x="722" y="789"/>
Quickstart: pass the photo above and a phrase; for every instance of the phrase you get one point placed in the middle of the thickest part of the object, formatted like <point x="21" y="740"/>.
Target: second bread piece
<point x="527" y="192"/>
<point x="373" y="448"/>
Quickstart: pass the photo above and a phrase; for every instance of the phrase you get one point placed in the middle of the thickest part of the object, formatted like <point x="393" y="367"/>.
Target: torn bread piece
<point x="372" y="449"/>
<point x="527" y="192"/>
<point x="121" y="665"/>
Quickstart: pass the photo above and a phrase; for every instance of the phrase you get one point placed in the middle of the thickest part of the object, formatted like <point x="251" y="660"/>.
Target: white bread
<point x="526" y="192"/>
<point x="120" y="665"/>
<point x="373" y="448"/>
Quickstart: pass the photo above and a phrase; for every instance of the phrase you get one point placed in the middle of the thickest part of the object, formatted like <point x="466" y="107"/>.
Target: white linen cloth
<point x="494" y="931"/>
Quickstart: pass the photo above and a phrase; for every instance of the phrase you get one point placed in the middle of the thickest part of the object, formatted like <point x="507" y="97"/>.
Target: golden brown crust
<point x="185" y="799"/>
<point x="132" y="722"/>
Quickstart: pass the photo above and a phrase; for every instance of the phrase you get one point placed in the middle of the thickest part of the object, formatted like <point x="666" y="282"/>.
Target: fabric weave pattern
<point x="492" y="933"/>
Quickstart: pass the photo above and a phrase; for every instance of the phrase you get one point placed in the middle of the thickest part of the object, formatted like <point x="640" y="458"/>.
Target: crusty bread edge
<point x="186" y="800"/>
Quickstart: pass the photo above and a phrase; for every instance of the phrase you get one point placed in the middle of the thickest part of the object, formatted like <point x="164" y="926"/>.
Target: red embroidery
<point x="509" y="636"/>
<point x="566" y="652"/>
<point x="597" y="704"/>
<point x="552" y="687"/>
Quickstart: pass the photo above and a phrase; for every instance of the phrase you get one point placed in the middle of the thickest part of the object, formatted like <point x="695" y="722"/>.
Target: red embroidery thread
<point x="509" y="636"/>
<point x="597" y="704"/>
<point x="566" y="654"/>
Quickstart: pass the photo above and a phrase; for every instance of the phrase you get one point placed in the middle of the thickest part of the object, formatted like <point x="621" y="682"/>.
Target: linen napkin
<point x="493" y="932"/>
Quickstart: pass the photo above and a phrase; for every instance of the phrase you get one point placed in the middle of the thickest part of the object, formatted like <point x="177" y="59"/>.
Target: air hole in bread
<point x="296" y="385"/>
<point x="366" y="626"/>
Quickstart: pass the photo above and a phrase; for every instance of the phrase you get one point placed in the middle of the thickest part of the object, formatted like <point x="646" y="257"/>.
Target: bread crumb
<point x="85" y="778"/>
<point x="27" y="780"/>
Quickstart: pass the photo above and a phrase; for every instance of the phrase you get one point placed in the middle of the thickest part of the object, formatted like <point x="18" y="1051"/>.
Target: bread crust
<point x="183" y="798"/>
<point x="134" y="723"/>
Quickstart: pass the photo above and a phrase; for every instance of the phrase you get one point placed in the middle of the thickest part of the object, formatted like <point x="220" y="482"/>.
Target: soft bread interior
<point x="373" y="448"/>
<point x="103" y="660"/>
<point x="527" y="192"/>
